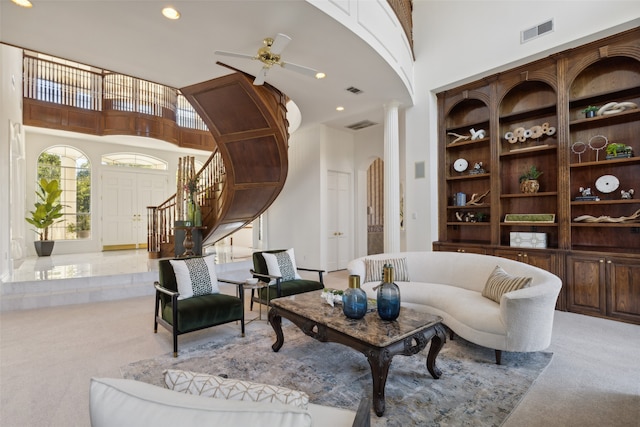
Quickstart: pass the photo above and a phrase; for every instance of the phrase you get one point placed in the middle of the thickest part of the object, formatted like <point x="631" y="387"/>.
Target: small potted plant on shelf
<point x="529" y="180"/>
<point x="47" y="211"/>
<point x="590" y="111"/>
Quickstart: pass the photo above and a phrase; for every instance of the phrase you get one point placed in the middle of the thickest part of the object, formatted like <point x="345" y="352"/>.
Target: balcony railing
<point x="100" y="90"/>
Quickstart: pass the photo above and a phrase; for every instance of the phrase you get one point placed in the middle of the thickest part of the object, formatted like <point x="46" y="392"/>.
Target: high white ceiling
<point x="132" y="37"/>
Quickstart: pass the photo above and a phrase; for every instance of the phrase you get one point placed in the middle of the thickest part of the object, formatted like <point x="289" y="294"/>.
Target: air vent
<point x="354" y="90"/>
<point x="361" y="125"/>
<point x="537" y="31"/>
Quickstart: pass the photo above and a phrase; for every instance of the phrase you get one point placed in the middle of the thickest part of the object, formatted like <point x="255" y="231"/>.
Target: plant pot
<point x="529" y="186"/>
<point x="44" y="247"/>
<point x="589" y="114"/>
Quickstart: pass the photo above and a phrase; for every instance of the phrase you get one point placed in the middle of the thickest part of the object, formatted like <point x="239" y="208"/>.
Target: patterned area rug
<point x="472" y="391"/>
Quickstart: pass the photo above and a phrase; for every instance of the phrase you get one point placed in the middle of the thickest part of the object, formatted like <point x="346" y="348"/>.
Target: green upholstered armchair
<point x="181" y="316"/>
<point x="280" y="287"/>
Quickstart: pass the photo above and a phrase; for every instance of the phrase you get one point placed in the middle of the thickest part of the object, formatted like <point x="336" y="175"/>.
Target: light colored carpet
<point x="48" y="356"/>
<point x="472" y="391"/>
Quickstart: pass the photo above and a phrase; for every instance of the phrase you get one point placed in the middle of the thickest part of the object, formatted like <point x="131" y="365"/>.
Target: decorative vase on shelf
<point x="197" y="216"/>
<point x="388" y="295"/>
<point x="191" y="210"/>
<point x="354" y="299"/>
<point x="529" y="186"/>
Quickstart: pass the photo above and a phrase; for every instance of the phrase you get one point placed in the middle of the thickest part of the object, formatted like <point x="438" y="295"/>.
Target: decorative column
<point x="391" y="178"/>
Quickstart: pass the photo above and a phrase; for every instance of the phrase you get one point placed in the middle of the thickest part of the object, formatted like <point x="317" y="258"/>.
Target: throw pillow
<point x="373" y="269"/>
<point x="231" y="389"/>
<point x="195" y="276"/>
<point x="500" y="282"/>
<point x="282" y="264"/>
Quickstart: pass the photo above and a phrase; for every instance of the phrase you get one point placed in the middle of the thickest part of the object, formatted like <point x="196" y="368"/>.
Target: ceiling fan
<point x="270" y="55"/>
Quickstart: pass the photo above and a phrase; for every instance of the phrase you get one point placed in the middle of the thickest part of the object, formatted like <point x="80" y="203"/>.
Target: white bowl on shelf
<point x="252" y="281"/>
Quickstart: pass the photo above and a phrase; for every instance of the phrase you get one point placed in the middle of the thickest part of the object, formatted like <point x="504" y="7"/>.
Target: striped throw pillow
<point x="500" y="282"/>
<point x="373" y="269"/>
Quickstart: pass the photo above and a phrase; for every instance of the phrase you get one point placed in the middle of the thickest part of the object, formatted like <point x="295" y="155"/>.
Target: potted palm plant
<point x="47" y="210"/>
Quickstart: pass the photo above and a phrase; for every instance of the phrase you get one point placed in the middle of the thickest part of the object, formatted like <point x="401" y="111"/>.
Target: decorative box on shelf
<point x="527" y="240"/>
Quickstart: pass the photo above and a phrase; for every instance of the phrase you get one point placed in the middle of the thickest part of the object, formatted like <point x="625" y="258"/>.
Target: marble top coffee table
<point x="377" y="339"/>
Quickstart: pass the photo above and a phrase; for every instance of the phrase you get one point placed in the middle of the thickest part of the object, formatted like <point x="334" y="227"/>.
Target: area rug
<point x="472" y="391"/>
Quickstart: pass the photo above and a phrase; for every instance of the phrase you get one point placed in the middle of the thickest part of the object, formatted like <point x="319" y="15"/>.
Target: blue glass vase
<point x="354" y="299"/>
<point x="388" y="296"/>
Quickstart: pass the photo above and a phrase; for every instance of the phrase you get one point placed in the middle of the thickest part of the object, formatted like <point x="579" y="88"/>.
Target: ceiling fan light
<point x="23" y="3"/>
<point x="170" y="13"/>
<point x="320" y="75"/>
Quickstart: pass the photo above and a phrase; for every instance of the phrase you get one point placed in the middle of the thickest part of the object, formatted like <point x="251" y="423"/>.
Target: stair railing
<point x="209" y="195"/>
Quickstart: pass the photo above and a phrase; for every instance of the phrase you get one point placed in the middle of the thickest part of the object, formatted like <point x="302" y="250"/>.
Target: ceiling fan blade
<point x="233" y="54"/>
<point x="259" y="80"/>
<point x="280" y="42"/>
<point x="300" y="69"/>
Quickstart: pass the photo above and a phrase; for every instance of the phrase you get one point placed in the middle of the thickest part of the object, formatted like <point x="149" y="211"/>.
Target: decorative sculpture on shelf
<point x="604" y="218"/>
<point x="627" y="194"/>
<point x="521" y="134"/>
<point x="476" y="199"/>
<point x="475" y="135"/>
<point x="615" y="107"/>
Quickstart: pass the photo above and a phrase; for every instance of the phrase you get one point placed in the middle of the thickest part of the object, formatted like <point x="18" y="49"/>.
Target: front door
<point x="125" y="197"/>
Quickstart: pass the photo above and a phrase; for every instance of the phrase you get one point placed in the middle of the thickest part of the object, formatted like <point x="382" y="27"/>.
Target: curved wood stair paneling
<point x="248" y="167"/>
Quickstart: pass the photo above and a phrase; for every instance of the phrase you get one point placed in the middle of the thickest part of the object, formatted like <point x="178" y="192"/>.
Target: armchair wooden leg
<point x="175" y="343"/>
<point x="498" y="357"/>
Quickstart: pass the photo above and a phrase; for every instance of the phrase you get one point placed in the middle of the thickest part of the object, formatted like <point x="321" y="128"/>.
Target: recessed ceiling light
<point x="170" y="13"/>
<point x="23" y="3"/>
<point x="340" y="108"/>
<point x="320" y="75"/>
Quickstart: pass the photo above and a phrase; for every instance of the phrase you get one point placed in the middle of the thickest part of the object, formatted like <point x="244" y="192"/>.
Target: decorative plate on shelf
<point x="607" y="184"/>
<point x="460" y="165"/>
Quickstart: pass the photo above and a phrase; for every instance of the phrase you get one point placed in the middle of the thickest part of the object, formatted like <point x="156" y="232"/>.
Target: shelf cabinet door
<point x="462" y="248"/>
<point x="586" y="280"/>
<point x="545" y="260"/>
<point x="623" y="289"/>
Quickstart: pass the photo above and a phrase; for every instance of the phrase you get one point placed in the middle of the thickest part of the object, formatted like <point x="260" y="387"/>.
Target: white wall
<point x="297" y="219"/>
<point x="456" y="42"/>
<point x="10" y="114"/>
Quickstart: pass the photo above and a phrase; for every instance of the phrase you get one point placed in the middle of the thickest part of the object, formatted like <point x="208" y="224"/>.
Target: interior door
<point x="125" y="197"/>
<point x="339" y="211"/>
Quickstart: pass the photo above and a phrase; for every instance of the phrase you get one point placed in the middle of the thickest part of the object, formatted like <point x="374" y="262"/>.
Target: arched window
<point x="73" y="170"/>
<point x="134" y="160"/>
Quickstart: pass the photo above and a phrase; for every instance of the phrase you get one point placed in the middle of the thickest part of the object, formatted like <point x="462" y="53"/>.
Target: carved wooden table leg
<point x="437" y="342"/>
<point x="276" y="323"/>
<point x="380" y="361"/>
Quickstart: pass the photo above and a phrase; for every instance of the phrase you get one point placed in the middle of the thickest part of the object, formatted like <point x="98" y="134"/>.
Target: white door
<point x="339" y="229"/>
<point x="125" y="197"/>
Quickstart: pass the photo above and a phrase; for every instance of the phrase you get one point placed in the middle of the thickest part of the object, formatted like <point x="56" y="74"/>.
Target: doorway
<point x="125" y="197"/>
<point x="339" y="239"/>
<point x="375" y="207"/>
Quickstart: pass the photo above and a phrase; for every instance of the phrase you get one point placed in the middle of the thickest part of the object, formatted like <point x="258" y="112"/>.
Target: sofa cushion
<point x="282" y="264"/>
<point x="204" y="311"/>
<point x="232" y="389"/>
<point x="373" y="269"/>
<point x="195" y="276"/>
<point x="120" y="402"/>
<point x="500" y="282"/>
<point x="292" y="287"/>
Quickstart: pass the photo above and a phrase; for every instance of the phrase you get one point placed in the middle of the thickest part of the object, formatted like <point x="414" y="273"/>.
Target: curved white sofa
<point x="450" y="284"/>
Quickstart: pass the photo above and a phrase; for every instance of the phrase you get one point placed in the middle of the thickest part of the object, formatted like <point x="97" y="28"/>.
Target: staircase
<point x="247" y="168"/>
